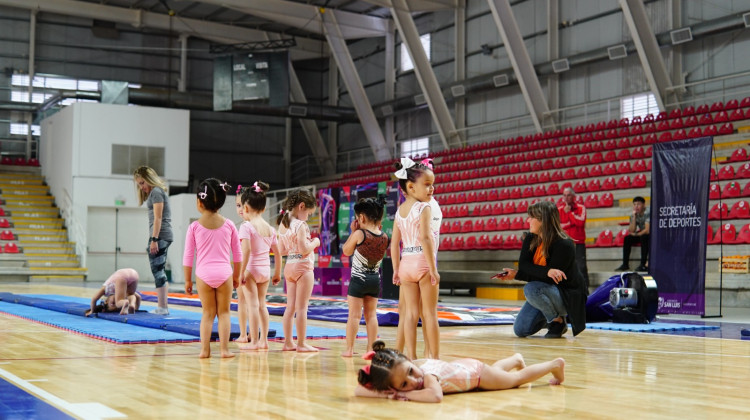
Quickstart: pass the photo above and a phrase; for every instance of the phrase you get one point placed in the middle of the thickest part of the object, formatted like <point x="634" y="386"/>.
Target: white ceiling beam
<point x="305" y="16"/>
<point x="419" y="5"/>
<point x="216" y="32"/>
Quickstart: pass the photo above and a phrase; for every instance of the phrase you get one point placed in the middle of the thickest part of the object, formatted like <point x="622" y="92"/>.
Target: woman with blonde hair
<point x="153" y="191"/>
<point x="555" y="288"/>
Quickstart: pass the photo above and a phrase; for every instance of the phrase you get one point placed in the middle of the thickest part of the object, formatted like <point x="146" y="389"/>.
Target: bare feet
<point x="558" y="371"/>
<point x="125" y="308"/>
<point x="263" y="345"/>
<point x="289" y="347"/>
<point x="204" y="354"/>
<point x="248" y="346"/>
<point x="347" y="353"/>
<point x="520" y="363"/>
<point x="241" y="339"/>
<point x="131" y="310"/>
<point x="306" y="348"/>
<point x="227" y="354"/>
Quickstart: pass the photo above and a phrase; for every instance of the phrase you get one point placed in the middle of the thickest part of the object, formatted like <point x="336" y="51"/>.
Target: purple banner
<point x="679" y="215"/>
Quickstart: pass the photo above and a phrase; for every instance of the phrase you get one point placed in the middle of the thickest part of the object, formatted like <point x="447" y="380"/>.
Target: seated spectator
<point x="638" y="233"/>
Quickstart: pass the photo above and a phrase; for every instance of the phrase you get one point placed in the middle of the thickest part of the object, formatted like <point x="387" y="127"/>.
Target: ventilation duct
<point x="617" y="52"/>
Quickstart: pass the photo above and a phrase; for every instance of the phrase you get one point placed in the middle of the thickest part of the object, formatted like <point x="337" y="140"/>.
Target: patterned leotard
<point x="457" y="376"/>
<point x="413" y="266"/>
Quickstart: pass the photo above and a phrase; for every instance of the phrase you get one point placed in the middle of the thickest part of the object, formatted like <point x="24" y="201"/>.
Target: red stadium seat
<point x="726" y="172"/>
<point x="665" y="137"/>
<point x="740" y="210"/>
<point x="688" y="111"/>
<point x="597" y="146"/>
<point x="595" y="170"/>
<point x="727" y="128"/>
<point x="19" y="161"/>
<point x="516" y="193"/>
<point x="512" y="242"/>
<point x="639" y="166"/>
<point x="516" y="223"/>
<point x="459" y="244"/>
<point x="624" y="167"/>
<point x="719" y="211"/>
<point x="675" y="113"/>
<point x="580" y="186"/>
<point x="510" y="208"/>
<point x="714" y="191"/>
<point x="694" y="133"/>
<point x="609" y="184"/>
<point x="522" y="206"/>
<point x="636" y="120"/>
<point x="2" y="212"/>
<point x="463" y="211"/>
<point x="476" y="211"/>
<point x="597" y="157"/>
<point x="446" y="244"/>
<point x="491" y="225"/>
<point x="711" y="130"/>
<point x="610" y="156"/>
<point x="680" y="134"/>
<point x="521" y="179"/>
<point x="479" y="226"/>
<point x="592" y="201"/>
<point x="610" y="169"/>
<point x="486" y="210"/>
<point x="594" y="185"/>
<point x="650" y="139"/>
<point x="739" y="155"/>
<point x="496" y="242"/>
<point x="731" y="190"/>
<point x="540" y="190"/>
<point x="456" y="227"/>
<point x="11" y="248"/>
<point x="745" y="103"/>
<point x="483" y="242"/>
<point x="498" y="209"/>
<point x="729" y="234"/>
<point x="33" y="162"/>
<point x="713" y="175"/>
<point x="467" y="226"/>
<point x="702" y="109"/>
<point x="639" y="181"/>
<point x="743" y="171"/>
<point x="624" y="182"/>
<point x="6" y="160"/>
<point x="736" y="115"/>
<point x="503" y="223"/>
<point x="583" y="172"/>
<point x="732" y="104"/>
<point x="4" y="223"/>
<point x="606" y="200"/>
<point x="620" y="238"/>
<point x="504" y="194"/>
<point x="570" y="173"/>
<point x="553" y="189"/>
<point x="623" y="154"/>
<point x="692" y="121"/>
<point x="713" y="238"/>
<point x="7" y="235"/>
<point x="605" y="239"/>
<point x="717" y="106"/>
<point x="648" y="118"/>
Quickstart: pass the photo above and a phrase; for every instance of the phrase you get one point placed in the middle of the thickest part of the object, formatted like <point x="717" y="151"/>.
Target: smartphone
<point x="499" y="275"/>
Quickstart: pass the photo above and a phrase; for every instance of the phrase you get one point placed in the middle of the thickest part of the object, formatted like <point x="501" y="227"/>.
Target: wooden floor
<point x="608" y="375"/>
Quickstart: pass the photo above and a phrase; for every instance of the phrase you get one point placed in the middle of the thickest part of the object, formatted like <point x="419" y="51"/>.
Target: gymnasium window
<point x="22" y="129"/>
<point x="406" y="63"/>
<point x="638" y="106"/>
<point x="415" y="147"/>
<point x="127" y="158"/>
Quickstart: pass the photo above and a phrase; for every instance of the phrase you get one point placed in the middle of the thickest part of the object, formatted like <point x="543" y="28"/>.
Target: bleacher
<point x="485" y="189"/>
<point x="34" y="243"/>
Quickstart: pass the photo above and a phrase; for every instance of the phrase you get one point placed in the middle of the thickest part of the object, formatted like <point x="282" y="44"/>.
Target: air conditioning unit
<point x="458" y="90"/>
<point x="500" y="80"/>
<point x="746" y="18"/>
<point x="297" y="111"/>
<point x="617" y="52"/>
<point x="386" y="110"/>
<point x="680" y="36"/>
<point x="561" y="65"/>
<point x="420" y="99"/>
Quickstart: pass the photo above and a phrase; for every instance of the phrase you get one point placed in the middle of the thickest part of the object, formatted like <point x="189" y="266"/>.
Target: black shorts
<point x="369" y="285"/>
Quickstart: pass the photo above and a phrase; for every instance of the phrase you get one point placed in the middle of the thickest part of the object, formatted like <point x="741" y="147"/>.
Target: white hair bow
<point x="406" y="163"/>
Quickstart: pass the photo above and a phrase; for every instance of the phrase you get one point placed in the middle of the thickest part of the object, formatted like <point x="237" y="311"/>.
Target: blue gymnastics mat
<point x="654" y="327"/>
<point x="96" y="328"/>
<point x="179" y="321"/>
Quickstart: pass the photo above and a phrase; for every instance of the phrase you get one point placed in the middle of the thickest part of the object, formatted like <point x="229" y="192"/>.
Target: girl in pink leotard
<point x="414" y="265"/>
<point x="118" y="292"/>
<point x="393" y="375"/>
<point x="294" y="235"/>
<point x="215" y="243"/>
<point x="258" y="238"/>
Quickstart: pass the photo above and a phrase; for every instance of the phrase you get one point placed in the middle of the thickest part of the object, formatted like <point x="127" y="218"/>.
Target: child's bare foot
<point x="289" y="347"/>
<point x="520" y="363"/>
<point x="263" y="345"/>
<point x="347" y="353"/>
<point x="248" y="346"/>
<point x="241" y="339"/>
<point x="204" y="354"/>
<point x="125" y="309"/>
<point x="306" y="348"/>
<point x="558" y="371"/>
<point x="227" y="354"/>
<point x="131" y="310"/>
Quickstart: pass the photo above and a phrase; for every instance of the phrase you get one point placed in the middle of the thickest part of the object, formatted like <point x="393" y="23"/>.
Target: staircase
<point x="33" y="239"/>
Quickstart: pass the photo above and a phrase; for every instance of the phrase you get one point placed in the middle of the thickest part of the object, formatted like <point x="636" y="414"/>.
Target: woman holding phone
<point x="555" y="288"/>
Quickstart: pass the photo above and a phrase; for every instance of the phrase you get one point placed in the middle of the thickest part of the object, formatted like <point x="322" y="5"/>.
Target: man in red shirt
<point x="573" y="221"/>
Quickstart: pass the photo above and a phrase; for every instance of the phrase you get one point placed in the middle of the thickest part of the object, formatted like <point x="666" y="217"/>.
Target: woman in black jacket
<point x="555" y="287"/>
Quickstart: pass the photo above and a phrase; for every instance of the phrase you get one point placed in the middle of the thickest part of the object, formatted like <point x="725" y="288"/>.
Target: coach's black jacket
<point x="562" y="256"/>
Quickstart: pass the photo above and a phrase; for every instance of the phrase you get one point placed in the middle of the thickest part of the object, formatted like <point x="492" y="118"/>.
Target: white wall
<point x="76" y="158"/>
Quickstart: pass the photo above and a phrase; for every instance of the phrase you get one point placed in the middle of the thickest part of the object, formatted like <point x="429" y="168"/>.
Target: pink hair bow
<point x="257" y="187"/>
<point x="239" y="188"/>
<point x="427" y="162"/>
<point x="366" y="369"/>
<point x="368" y="355"/>
<point x="282" y="211"/>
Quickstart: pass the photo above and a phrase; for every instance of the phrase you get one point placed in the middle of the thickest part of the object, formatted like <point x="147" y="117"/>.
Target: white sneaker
<point x="160" y="311"/>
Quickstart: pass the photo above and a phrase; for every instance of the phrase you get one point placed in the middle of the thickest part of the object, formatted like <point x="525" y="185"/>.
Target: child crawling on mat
<point x="392" y="375"/>
<point x="117" y="293"/>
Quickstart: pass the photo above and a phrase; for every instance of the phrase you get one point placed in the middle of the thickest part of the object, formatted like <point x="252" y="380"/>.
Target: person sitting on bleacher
<point x="573" y="222"/>
<point x="638" y="233"/>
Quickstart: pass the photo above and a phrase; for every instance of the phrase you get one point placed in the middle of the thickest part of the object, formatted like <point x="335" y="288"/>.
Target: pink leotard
<point x="457" y="376"/>
<point x="413" y="265"/>
<point x="214" y="248"/>
<point x="297" y="264"/>
<point x="259" y="263"/>
<point x="131" y="277"/>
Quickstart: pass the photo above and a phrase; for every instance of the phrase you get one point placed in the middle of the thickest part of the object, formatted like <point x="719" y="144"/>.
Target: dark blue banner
<point x="679" y="215"/>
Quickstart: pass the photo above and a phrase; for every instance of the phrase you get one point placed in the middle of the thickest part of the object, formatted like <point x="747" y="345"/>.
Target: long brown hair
<point x="151" y="178"/>
<point x="550" y="231"/>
